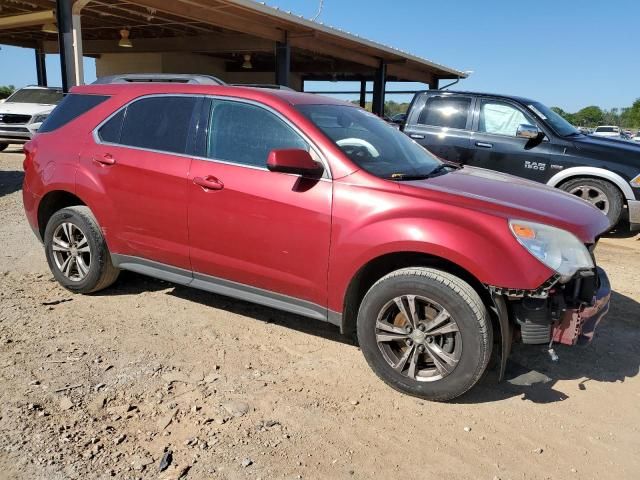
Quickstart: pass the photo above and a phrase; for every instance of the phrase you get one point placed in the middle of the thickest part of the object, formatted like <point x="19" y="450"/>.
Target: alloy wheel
<point x="593" y="195"/>
<point x="418" y="338"/>
<point x="71" y="251"/>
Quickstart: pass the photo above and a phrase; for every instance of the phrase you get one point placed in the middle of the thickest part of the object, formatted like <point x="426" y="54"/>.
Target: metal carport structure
<point x="233" y="39"/>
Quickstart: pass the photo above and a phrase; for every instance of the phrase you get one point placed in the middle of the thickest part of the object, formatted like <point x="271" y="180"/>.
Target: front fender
<point x="478" y="242"/>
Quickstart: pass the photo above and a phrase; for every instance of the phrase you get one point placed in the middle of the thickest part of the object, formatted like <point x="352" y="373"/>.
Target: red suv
<point x="314" y="206"/>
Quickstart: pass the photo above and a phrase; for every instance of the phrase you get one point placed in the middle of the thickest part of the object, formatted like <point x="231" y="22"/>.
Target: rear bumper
<point x="577" y="326"/>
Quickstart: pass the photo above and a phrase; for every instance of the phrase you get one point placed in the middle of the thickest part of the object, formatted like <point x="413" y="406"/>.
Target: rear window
<point x="446" y="111"/>
<point x="71" y="107"/>
<point x="607" y="129"/>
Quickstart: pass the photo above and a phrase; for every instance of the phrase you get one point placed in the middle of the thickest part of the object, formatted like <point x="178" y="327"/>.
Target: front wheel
<point x="77" y="252"/>
<point x="601" y="194"/>
<point x="425" y="332"/>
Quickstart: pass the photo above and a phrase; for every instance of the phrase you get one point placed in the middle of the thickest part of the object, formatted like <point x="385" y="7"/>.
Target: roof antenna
<point x="319" y="11"/>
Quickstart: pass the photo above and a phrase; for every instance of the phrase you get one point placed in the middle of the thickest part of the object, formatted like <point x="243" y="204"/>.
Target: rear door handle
<point x="484" y="145"/>
<point x="209" y="183"/>
<point x="106" y="159"/>
<point x="416" y="136"/>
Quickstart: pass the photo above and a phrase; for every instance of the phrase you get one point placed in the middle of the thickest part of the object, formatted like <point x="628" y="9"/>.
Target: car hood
<point x="616" y="149"/>
<point x="516" y="198"/>
<point x="25" y="108"/>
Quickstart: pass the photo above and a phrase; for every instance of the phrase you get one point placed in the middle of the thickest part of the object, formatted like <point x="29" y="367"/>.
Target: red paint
<point x="301" y="237"/>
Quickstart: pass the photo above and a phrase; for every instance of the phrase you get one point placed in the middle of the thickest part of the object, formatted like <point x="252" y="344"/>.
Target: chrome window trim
<point x="327" y="170"/>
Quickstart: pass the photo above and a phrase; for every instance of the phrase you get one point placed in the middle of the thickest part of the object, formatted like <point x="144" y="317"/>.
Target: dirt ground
<point x="102" y="386"/>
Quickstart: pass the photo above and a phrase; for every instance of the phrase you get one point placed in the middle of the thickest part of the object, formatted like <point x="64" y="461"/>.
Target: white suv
<point x="607" y="131"/>
<point x="22" y="113"/>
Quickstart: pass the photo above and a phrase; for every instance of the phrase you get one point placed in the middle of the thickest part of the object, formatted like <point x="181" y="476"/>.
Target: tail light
<point x="29" y="150"/>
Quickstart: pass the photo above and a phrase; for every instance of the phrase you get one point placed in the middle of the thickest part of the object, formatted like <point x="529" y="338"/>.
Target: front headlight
<point x="40" y="118"/>
<point x="556" y="248"/>
<point x="635" y="182"/>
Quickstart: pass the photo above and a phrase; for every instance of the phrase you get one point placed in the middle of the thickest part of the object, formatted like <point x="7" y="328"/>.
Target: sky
<point x="564" y="53"/>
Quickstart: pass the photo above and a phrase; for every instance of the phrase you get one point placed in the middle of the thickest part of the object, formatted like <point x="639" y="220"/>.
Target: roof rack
<point x="196" y="79"/>
<point x="263" y="85"/>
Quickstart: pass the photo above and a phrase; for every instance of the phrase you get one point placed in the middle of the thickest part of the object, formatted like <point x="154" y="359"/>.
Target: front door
<point x="497" y="147"/>
<point x="252" y="226"/>
<point x="139" y="160"/>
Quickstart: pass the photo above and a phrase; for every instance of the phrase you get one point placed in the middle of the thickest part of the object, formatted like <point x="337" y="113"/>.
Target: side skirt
<point x="228" y="288"/>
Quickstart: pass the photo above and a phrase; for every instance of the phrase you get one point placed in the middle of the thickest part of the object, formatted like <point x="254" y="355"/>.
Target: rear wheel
<point x="600" y="193"/>
<point x="425" y="332"/>
<point x="3" y="146"/>
<point x="77" y="252"/>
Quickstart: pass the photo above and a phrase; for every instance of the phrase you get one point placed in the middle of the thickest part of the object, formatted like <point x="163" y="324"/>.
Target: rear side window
<point x="449" y="112"/>
<point x="71" y="107"/>
<point x="157" y="123"/>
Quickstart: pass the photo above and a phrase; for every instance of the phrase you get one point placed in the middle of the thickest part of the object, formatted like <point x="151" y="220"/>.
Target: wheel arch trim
<point x="602" y="173"/>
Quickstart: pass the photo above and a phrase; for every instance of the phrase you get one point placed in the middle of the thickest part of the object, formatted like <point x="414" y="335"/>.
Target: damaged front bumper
<point x="566" y="313"/>
<point x="577" y="326"/>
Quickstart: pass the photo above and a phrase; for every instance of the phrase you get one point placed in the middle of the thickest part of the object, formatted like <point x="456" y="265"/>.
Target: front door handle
<point x="106" y="159"/>
<point x="209" y="183"/>
<point x="484" y="145"/>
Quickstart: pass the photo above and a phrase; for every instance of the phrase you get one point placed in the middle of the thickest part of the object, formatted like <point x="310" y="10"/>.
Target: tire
<point x="600" y="193"/>
<point x="89" y="268"/>
<point x="468" y="349"/>
<point x="3" y="146"/>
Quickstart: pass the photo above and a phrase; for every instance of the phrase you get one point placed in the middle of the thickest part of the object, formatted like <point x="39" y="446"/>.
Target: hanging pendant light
<point x="49" y="27"/>
<point x="124" y="39"/>
<point x="247" y="62"/>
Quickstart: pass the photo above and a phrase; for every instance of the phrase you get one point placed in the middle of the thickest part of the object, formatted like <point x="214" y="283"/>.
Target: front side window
<point x="371" y="143"/>
<point x="446" y="111"/>
<point x="500" y="118"/>
<point x="157" y="123"/>
<point x="245" y="134"/>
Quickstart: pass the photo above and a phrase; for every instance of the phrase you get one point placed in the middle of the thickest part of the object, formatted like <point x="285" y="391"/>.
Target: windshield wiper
<point x="414" y="176"/>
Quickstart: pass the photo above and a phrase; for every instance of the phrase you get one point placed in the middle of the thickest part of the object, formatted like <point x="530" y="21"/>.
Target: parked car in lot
<point x="314" y="206"/>
<point x="525" y="138"/>
<point x="636" y="137"/>
<point x="22" y="113"/>
<point x="607" y="131"/>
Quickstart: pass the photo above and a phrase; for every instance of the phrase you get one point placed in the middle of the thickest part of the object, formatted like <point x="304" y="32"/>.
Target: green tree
<point x="589" y="116"/>
<point x="569" y="117"/>
<point x="6" y="90"/>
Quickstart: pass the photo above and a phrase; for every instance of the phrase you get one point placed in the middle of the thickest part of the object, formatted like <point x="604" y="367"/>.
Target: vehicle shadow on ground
<point x="614" y="356"/>
<point x="10" y="181"/>
<point x="131" y="284"/>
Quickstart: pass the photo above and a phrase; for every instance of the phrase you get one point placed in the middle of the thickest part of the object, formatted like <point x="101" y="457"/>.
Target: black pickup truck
<point x="525" y="138"/>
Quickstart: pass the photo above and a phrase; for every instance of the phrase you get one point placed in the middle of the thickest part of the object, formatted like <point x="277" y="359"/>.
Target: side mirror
<point x="529" y="132"/>
<point x="298" y="162"/>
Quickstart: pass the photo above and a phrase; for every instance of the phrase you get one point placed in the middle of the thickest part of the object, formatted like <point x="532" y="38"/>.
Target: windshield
<point x="371" y="143"/>
<point x="555" y="121"/>
<point x="36" y="95"/>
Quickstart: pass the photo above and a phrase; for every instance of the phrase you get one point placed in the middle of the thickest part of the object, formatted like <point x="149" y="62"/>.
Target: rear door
<point x="497" y="147"/>
<point x="442" y="123"/>
<point x="252" y="226"/>
<point x="139" y="162"/>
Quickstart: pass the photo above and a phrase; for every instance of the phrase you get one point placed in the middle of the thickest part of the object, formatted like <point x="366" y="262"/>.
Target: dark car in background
<point x="523" y="137"/>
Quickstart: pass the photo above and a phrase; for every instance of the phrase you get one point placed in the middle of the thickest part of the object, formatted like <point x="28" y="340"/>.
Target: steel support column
<point x="283" y="62"/>
<point x="363" y="93"/>
<point x="379" y="87"/>
<point x="41" y="67"/>
<point x="65" y="42"/>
